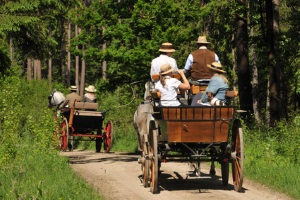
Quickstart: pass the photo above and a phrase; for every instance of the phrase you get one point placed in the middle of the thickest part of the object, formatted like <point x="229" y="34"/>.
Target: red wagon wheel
<point x="145" y="165"/>
<point x="63" y="139"/>
<point x="237" y="155"/>
<point x="153" y="156"/>
<point x="108" y="136"/>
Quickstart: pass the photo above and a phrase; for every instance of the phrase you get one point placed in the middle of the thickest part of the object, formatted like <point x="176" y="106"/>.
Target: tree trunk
<point x="11" y="49"/>
<point x="50" y="63"/>
<point x="245" y="89"/>
<point x="274" y="73"/>
<point x="104" y="64"/>
<point x="234" y="68"/>
<point x="37" y="70"/>
<point x="282" y="101"/>
<point x="82" y="80"/>
<point x="76" y="61"/>
<point x="254" y="72"/>
<point x="29" y="69"/>
<point x="68" y="63"/>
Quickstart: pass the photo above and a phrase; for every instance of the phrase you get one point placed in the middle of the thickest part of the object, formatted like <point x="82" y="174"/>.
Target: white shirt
<point x="168" y="92"/>
<point x="161" y="60"/>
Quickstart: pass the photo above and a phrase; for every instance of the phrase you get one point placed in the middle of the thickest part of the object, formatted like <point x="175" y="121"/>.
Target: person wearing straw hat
<point x="166" y="50"/>
<point x="90" y="96"/>
<point x="196" y="62"/>
<point x="168" y="86"/>
<point x="215" y="92"/>
<point x="73" y="95"/>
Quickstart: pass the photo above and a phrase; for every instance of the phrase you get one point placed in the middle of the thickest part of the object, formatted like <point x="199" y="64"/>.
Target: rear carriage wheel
<point x="108" y="136"/>
<point x="63" y="139"/>
<point x="145" y="165"/>
<point x="153" y="159"/>
<point x="237" y="155"/>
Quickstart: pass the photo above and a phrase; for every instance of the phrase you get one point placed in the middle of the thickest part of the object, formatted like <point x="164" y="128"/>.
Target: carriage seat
<point x="84" y="106"/>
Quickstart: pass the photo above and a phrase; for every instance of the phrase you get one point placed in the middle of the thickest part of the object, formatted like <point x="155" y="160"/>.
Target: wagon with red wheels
<point x="82" y="121"/>
<point x="193" y="134"/>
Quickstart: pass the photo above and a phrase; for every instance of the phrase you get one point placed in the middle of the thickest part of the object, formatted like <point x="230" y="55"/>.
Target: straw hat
<point x="165" y="69"/>
<point x="202" y="40"/>
<point x="167" y="47"/>
<point x="73" y="88"/>
<point x="91" y="88"/>
<point x="216" y="67"/>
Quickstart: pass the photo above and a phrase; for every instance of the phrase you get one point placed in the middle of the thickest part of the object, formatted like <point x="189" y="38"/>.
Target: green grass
<point x="269" y="159"/>
<point x="36" y="175"/>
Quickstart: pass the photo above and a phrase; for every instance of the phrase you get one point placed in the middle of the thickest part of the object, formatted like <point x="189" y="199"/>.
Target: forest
<point x="110" y="44"/>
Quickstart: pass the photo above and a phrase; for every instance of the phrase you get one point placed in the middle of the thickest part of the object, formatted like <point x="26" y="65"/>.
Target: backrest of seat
<point x="84" y="106"/>
<point x="195" y="89"/>
<point x="90" y="106"/>
<point x="156" y="77"/>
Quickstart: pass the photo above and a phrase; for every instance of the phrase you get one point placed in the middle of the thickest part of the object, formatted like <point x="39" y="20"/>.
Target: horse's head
<point x="55" y="98"/>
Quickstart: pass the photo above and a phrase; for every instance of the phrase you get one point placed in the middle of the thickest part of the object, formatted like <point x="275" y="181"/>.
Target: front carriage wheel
<point x="108" y="136"/>
<point x="237" y="155"/>
<point x="145" y="165"/>
<point x="63" y="139"/>
<point x="153" y="159"/>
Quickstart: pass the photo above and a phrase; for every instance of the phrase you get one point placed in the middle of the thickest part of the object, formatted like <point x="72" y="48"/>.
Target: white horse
<point x="141" y="115"/>
<point x="56" y="98"/>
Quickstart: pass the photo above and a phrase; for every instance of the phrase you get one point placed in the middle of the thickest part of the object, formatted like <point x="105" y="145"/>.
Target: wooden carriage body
<point x="205" y="124"/>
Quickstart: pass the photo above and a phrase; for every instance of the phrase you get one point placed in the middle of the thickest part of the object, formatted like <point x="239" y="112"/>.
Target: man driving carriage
<point x="197" y="61"/>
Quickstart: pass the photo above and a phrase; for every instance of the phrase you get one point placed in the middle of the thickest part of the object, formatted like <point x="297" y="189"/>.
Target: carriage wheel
<point x="63" y="139"/>
<point x="237" y="155"/>
<point x="153" y="160"/>
<point x="108" y="137"/>
<point x="225" y="172"/>
<point x="145" y="166"/>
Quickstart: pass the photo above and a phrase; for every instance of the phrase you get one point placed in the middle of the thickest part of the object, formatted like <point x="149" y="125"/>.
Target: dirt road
<point x="118" y="176"/>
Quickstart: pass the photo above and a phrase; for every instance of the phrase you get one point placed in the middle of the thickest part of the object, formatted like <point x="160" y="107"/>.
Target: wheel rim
<point x="64" y="135"/>
<point x="154" y="161"/>
<point x="108" y="136"/>
<point x="145" y="166"/>
<point x="237" y="156"/>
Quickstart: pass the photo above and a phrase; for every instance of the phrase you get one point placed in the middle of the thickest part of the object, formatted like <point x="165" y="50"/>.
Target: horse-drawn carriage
<point x="78" y="120"/>
<point x="194" y="134"/>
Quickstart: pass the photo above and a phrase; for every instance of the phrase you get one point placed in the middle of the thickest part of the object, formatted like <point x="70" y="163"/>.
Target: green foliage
<point x="272" y="156"/>
<point x="121" y="106"/>
<point x="30" y="167"/>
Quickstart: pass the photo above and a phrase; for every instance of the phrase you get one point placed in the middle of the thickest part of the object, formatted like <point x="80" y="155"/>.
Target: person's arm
<point x="185" y="85"/>
<point x="188" y="64"/>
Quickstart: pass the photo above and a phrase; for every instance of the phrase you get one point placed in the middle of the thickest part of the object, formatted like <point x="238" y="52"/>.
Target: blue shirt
<point x="218" y="87"/>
